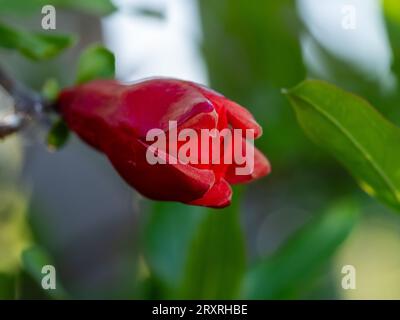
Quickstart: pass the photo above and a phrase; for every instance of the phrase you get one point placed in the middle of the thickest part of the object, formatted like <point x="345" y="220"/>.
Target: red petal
<point x="86" y="107"/>
<point x="241" y="118"/>
<point x="138" y="107"/>
<point x="262" y="167"/>
<point x="219" y="196"/>
<point x="153" y="103"/>
<point x="169" y="182"/>
<point x="238" y="116"/>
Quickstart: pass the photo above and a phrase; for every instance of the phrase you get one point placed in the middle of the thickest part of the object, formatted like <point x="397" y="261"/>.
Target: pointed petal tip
<point x="262" y="168"/>
<point x="218" y="196"/>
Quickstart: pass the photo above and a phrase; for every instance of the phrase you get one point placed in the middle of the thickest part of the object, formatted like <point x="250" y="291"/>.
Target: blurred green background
<point x="286" y="236"/>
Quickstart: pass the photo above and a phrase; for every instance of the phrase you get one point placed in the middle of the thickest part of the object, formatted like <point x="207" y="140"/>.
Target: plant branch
<point x="19" y="105"/>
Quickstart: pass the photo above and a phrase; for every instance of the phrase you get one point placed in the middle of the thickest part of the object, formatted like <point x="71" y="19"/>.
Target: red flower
<point x="116" y="119"/>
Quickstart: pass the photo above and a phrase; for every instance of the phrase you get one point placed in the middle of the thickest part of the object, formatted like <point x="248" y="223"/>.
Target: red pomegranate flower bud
<point x="163" y="137"/>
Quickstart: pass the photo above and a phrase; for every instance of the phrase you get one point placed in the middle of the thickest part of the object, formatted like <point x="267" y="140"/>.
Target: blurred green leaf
<point x="289" y="271"/>
<point x="392" y="13"/>
<point x="216" y="261"/>
<point x="392" y="9"/>
<point x="260" y="42"/>
<point x="36" y="46"/>
<point x="51" y="89"/>
<point x="96" y="7"/>
<point x="167" y="236"/>
<point x="355" y="133"/>
<point x="24" y="7"/>
<point x="14" y="231"/>
<point x="96" y="62"/>
<point x="252" y="50"/>
<point x="20" y="6"/>
<point x="58" y="135"/>
<point x="33" y="261"/>
<point x="8" y="285"/>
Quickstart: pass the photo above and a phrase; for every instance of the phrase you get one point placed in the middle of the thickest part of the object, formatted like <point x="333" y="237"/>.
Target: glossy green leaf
<point x="355" y="133"/>
<point x="33" y="261"/>
<point x="167" y="236"/>
<point x="216" y="261"/>
<point x="36" y="46"/>
<point x="96" y="62"/>
<point x="24" y="7"/>
<point x="288" y="272"/>
<point x="58" y="135"/>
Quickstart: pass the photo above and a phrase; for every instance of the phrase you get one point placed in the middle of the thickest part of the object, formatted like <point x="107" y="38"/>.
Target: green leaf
<point x="247" y="32"/>
<point x="23" y="7"/>
<point x="96" y="62"/>
<point x="33" y="261"/>
<point x="392" y="9"/>
<point x="36" y="46"/>
<point x="15" y="234"/>
<point x="8" y="285"/>
<point x="355" y="133"/>
<point x="167" y="237"/>
<point x="58" y="135"/>
<point x="288" y="272"/>
<point x="51" y="89"/>
<point x="95" y="7"/>
<point x="216" y="261"/>
<point x="392" y="14"/>
<point x="19" y="6"/>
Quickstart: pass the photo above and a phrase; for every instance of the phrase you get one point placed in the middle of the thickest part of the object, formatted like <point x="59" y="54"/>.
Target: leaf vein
<point x="358" y="146"/>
